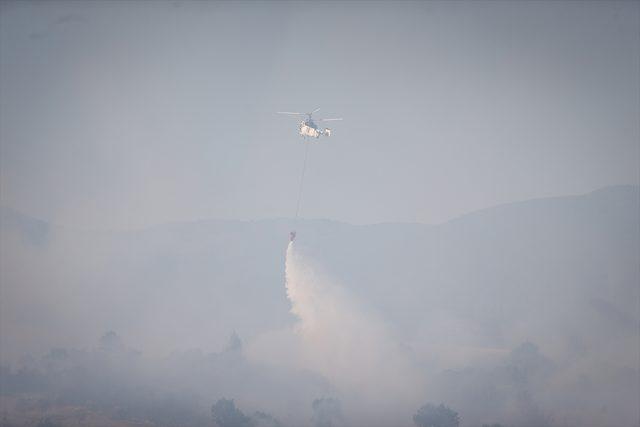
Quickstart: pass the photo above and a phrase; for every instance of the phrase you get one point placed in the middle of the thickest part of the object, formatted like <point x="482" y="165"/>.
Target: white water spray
<point x="349" y="346"/>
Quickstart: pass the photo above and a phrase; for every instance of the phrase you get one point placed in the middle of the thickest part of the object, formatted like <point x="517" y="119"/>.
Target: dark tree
<point x="326" y="412"/>
<point x="225" y="414"/>
<point x="47" y="422"/>
<point x="110" y="340"/>
<point x="262" y="419"/>
<point x="436" y="416"/>
<point x="234" y="344"/>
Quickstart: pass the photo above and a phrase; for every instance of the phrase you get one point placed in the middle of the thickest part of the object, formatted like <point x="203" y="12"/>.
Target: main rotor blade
<point x="329" y="120"/>
<point x="315" y="111"/>
<point x="289" y="112"/>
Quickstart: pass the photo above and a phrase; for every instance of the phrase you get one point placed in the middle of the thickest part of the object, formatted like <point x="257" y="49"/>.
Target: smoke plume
<point x="346" y="343"/>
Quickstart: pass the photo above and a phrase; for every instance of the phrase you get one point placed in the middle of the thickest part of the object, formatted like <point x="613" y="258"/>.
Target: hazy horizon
<point x="524" y="314"/>
<point x="293" y="219"/>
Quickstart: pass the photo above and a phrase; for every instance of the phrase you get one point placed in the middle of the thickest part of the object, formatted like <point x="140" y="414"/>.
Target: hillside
<point x="561" y="273"/>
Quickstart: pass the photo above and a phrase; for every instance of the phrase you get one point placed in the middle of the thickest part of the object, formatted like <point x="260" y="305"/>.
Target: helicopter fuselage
<point x="310" y="129"/>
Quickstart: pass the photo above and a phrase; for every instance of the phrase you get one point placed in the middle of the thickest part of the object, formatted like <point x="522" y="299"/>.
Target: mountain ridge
<point x="9" y="214"/>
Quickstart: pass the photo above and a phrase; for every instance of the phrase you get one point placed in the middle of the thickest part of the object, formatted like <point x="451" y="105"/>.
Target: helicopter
<point x="308" y="127"/>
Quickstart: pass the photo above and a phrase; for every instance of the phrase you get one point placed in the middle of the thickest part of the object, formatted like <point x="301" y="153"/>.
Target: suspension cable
<point x="304" y="168"/>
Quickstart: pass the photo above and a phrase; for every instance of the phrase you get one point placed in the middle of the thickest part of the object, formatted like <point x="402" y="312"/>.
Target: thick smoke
<point x="525" y="315"/>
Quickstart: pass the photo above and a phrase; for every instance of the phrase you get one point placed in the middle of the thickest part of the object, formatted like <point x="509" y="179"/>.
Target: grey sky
<point x="125" y="114"/>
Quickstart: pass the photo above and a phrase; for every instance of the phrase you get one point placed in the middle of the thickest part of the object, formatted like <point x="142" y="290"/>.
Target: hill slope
<point x="561" y="273"/>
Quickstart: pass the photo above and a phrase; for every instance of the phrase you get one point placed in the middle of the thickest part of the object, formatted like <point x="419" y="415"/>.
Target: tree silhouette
<point x="431" y="415"/>
<point x="326" y="412"/>
<point x="225" y="414"/>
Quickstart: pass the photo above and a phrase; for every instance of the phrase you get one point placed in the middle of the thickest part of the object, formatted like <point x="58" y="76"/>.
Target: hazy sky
<point x="125" y="114"/>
